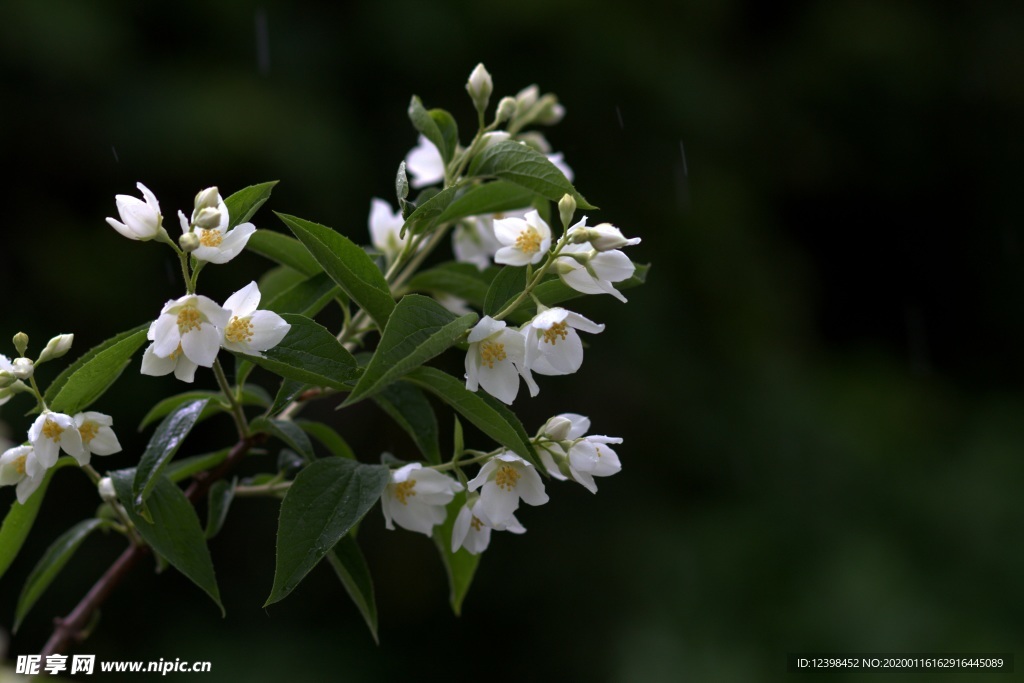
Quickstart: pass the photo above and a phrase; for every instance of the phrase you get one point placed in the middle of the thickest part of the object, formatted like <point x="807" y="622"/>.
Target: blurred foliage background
<point x="819" y="388"/>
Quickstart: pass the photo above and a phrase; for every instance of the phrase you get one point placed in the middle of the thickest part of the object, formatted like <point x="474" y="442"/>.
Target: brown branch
<point x="72" y="628"/>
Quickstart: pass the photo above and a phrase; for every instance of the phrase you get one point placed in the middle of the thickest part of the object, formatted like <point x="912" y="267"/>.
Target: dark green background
<point x="819" y="389"/>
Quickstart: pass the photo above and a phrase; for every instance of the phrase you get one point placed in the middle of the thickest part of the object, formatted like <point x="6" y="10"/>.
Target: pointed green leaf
<point x="411" y="410"/>
<point x="221" y="494"/>
<point x="462" y="280"/>
<point x="251" y="396"/>
<point x="489" y="198"/>
<point x="431" y="126"/>
<point x="307" y="297"/>
<point x="19" y="519"/>
<point x="49" y="566"/>
<point x="285" y="250"/>
<point x="286" y="393"/>
<point x="349" y="564"/>
<point x="419" y="329"/>
<point x="288" y="432"/>
<point x="449" y="132"/>
<point x="182" y="469"/>
<point x="310" y="354"/>
<point x="488" y="414"/>
<point x="175" y="532"/>
<point x="278" y="279"/>
<point x="243" y="204"/>
<point x="348" y="265"/>
<point x="509" y="284"/>
<point x="92" y="374"/>
<point x="328" y="437"/>
<point x="161" y="448"/>
<point x="324" y="502"/>
<point x="526" y="167"/>
<point x="428" y="213"/>
<point x="461" y="565"/>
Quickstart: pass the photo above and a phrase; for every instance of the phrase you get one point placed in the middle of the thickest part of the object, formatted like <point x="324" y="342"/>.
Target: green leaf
<point x="221" y="494"/>
<point x="161" y="448"/>
<point x="286" y="393"/>
<point x="488" y="414"/>
<point x="324" y="502"/>
<point x="184" y="468"/>
<point x="307" y="297"/>
<point x="509" y="284"/>
<point x="243" y="204"/>
<point x="251" y="396"/>
<point x="463" y="280"/>
<point x="411" y="410"/>
<point x="283" y="249"/>
<point x="288" y="432"/>
<point x="175" y="532"/>
<point x="49" y="566"/>
<point x="494" y="197"/>
<point x="278" y="279"/>
<point x="526" y="167"/>
<point x="92" y="374"/>
<point x="461" y="565"/>
<point x="437" y="125"/>
<point x="310" y="354"/>
<point x="419" y="329"/>
<point x="349" y="564"/>
<point x="328" y="437"/>
<point x="19" y="519"/>
<point x="348" y="265"/>
<point x="427" y="214"/>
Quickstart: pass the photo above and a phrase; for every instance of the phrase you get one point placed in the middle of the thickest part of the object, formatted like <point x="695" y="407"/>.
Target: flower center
<point x="52" y="430"/>
<point x="476" y="523"/>
<point x="491" y="351"/>
<point x="239" y="330"/>
<point x="528" y="241"/>
<point x="406" y="489"/>
<point x="189" y="319"/>
<point x="210" y="238"/>
<point x="88" y="430"/>
<point x="19" y="466"/>
<point x="506" y="478"/>
<point x="555" y="332"/>
<point x="176" y="352"/>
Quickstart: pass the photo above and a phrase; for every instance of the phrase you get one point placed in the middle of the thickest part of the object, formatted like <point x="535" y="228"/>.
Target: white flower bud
<point x="189" y="242"/>
<point x="526" y="98"/>
<point x="207" y="218"/>
<point x="605" y="237"/>
<point x="479" y="86"/>
<point x="557" y="428"/>
<point x="566" y="209"/>
<point x="106" y="489"/>
<point x="20" y="342"/>
<point x="207" y="199"/>
<point x="401" y="182"/>
<point x="56" y="347"/>
<point x="550" y="111"/>
<point x="506" y="109"/>
<point x="23" y="368"/>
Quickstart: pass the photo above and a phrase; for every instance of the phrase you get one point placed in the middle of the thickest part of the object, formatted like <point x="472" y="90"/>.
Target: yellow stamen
<point x="491" y="351"/>
<point x="176" y="352"/>
<point x="88" y="430"/>
<point x="529" y="240"/>
<point x="210" y="238"/>
<point x="404" y="490"/>
<point x="556" y="331"/>
<point x="507" y="477"/>
<point x="239" y="330"/>
<point x="19" y="466"/>
<point x="189" y="319"/>
<point x="476" y="523"/>
<point x="52" y="430"/>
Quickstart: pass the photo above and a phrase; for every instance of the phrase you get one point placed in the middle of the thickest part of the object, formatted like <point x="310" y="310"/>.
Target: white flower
<point x="473" y="534"/>
<point x="52" y="432"/>
<point x="525" y="240"/>
<point x="217" y="244"/>
<point x="139" y="220"/>
<point x="503" y="481"/>
<point x="178" y="363"/>
<point x="552" y="345"/>
<point x="425" y="163"/>
<point x="19" y="466"/>
<point x="251" y="331"/>
<point x="587" y="457"/>
<point x="56" y="347"/>
<point x="416" y="497"/>
<point x="191" y="325"/>
<point x="494" y="359"/>
<point x="474" y="241"/>
<point x="386" y="228"/>
<point x="98" y="438"/>
<point x="606" y="237"/>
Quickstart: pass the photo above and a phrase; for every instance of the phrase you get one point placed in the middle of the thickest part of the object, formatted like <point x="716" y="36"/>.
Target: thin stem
<point x="262" y="490"/>
<point x="189" y="287"/>
<point x="236" y="408"/>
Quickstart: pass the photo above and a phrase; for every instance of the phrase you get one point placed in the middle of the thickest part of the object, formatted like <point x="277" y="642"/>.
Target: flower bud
<point x="557" y="428"/>
<point x="106" y="489"/>
<point x="189" y="242"/>
<point x="549" y="111"/>
<point x="506" y="109"/>
<point x="7" y="378"/>
<point x="207" y="199"/>
<point x="23" y="368"/>
<point x="526" y="98"/>
<point x="566" y="209"/>
<point x="605" y="237"/>
<point x="207" y="218"/>
<point x="401" y="183"/>
<point x="479" y="86"/>
<point x="21" y="342"/>
<point x="56" y="347"/>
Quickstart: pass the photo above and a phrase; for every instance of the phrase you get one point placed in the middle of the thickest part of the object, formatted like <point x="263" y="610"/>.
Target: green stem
<point x="263" y="490"/>
<point x="236" y="408"/>
<point x="189" y="287"/>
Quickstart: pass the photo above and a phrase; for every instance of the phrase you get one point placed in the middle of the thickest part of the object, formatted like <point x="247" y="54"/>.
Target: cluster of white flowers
<point x="81" y="436"/>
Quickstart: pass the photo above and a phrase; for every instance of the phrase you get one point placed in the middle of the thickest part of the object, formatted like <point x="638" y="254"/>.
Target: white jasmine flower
<point x="251" y="331"/>
<point x="606" y="237"/>
<point x="494" y="359"/>
<point x="24" y="368"/>
<point x="552" y="345"/>
<point x="425" y="163"/>
<point x="19" y="466"/>
<point x="386" y="229"/>
<point x="525" y="240"/>
<point x="587" y="456"/>
<point x="139" y="220"/>
<point x="590" y="270"/>
<point x="178" y="363"/>
<point x="416" y="497"/>
<point x="98" y="438"/>
<point x="52" y="432"/>
<point x="503" y="481"/>
<point x="473" y="534"/>
<point x="192" y="324"/>
<point x="217" y="244"/>
<point x="474" y="242"/>
<point x="591" y="457"/>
